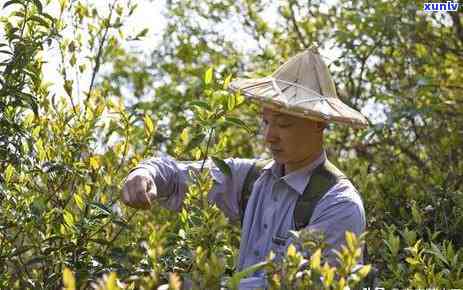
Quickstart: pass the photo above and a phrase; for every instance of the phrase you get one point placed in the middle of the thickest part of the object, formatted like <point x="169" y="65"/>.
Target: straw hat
<point x="302" y="86"/>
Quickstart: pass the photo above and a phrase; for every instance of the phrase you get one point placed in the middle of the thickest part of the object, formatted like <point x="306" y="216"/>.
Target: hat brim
<point x="328" y="110"/>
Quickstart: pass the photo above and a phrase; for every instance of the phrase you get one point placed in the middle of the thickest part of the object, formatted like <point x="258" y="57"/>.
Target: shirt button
<point x="256" y="253"/>
<point x="265" y="226"/>
<point x="275" y="199"/>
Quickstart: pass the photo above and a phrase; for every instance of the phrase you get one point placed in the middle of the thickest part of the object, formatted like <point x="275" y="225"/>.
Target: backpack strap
<point x="325" y="176"/>
<point x="253" y="174"/>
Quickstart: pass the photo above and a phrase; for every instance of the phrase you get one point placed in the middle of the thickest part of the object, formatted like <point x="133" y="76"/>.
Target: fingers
<point x="135" y="192"/>
<point x="139" y="190"/>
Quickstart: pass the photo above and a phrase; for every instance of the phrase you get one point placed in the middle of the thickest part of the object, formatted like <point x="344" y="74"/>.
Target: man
<point x="299" y="188"/>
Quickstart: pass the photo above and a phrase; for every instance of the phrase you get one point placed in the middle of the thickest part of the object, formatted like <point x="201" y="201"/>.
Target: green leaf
<point x="19" y="251"/>
<point x="121" y="223"/>
<point x="201" y="104"/>
<point x="226" y="82"/>
<point x="31" y="101"/>
<point x="38" y="4"/>
<point x="19" y="14"/>
<point x="184" y="136"/>
<point x="101" y="207"/>
<point x="238" y="276"/>
<point x="111" y="283"/>
<point x="437" y="253"/>
<point x="100" y="241"/>
<point x="119" y="9"/>
<point x="363" y="272"/>
<point x="141" y="34"/>
<point x="11" y="2"/>
<point x="197" y="139"/>
<point x="315" y="260"/>
<point x="73" y="60"/>
<point x="412" y="261"/>
<point x="95" y="162"/>
<point x="68" y="87"/>
<point x="351" y="240"/>
<point x="149" y="126"/>
<point x="68" y="218"/>
<point x="239" y="98"/>
<point x="49" y="17"/>
<point x="416" y="214"/>
<point x="63" y="4"/>
<point x="35" y="260"/>
<point x="79" y="201"/>
<point x="237" y="122"/>
<point x="222" y="165"/>
<point x="208" y="76"/>
<point x="132" y="9"/>
<point x="9" y="173"/>
<point x="42" y="155"/>
<point x="40" y="21"/>
<point x="231" y="102"/>
<point x="68" y="279"/>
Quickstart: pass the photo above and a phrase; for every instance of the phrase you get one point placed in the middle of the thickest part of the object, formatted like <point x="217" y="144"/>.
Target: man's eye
<point x="265" y="122"/>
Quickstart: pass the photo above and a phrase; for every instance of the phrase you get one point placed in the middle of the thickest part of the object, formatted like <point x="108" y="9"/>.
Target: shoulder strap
<point x="253" y="174"/>
<point x="325" y="176"/>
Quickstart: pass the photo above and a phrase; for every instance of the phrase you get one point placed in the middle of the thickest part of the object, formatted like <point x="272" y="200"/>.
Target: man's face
<point x="291" y="139"/>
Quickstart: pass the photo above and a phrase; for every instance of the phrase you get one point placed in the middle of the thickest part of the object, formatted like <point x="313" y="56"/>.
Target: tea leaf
<point x="68" y="279"/>
<point x="222" y="165"/>
<point x="208" y="76"/>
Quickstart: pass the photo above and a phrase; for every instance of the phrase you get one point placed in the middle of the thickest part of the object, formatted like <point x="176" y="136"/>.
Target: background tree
<point x="66" y="146"/>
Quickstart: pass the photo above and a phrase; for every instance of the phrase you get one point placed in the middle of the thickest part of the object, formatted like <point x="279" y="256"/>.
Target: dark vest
<point x="324" y="176"/>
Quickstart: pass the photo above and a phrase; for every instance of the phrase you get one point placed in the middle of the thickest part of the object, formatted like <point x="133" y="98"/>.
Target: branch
<point x="296" y="27"/>
<point x="118" y="233"/>
<point x="248" y="16"/>
<point x="362" y="69"/>
<point x="65" y="78"/>
<point x="96" y="68"/>
<point x="362" y="148"/>
<point x="211" y="131"/>
<point x="457" y="25"/>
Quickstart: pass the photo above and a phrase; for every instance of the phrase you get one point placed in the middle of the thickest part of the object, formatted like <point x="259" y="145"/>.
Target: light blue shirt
<point x="269" y="212"/>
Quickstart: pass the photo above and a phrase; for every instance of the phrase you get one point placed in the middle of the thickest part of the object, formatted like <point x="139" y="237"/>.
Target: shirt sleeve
<point x="172" y="178"/>
<point x="340" y="210"/>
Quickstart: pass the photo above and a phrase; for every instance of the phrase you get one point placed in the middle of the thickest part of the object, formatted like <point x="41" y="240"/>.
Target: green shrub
<point x="66" y="144"/>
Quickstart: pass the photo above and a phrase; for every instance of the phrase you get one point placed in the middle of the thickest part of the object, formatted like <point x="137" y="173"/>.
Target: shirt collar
<point x="298" y="179"/>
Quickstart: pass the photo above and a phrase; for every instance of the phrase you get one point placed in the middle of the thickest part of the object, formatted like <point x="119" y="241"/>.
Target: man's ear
<point x="321" y="125"/>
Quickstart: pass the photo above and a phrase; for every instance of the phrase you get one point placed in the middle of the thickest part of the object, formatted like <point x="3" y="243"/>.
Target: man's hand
<point x="139" y="189"/>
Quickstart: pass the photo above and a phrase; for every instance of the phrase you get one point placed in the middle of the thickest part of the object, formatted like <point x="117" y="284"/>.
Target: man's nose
<point x="270" y="134"/>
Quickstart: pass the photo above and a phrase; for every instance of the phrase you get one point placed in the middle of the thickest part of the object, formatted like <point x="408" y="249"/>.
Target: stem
<point x="63" y="64"/>
<point x="296" y="26"/>
<point x="126" y="141"/>
<point x="23" y="27"/>
<point x="207" y="149"/>
<point x="23" y="264"/>
<point x="119" y="232"/>
<point x="96" y="68"/>
<point x="206" y="152"/>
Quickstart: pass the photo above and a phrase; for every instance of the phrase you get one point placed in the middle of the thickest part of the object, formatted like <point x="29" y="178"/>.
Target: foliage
<point x="67" y="143"/>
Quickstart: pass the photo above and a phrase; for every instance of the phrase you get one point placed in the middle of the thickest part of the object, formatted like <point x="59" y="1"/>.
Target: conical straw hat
<point x="302" y="86"/>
